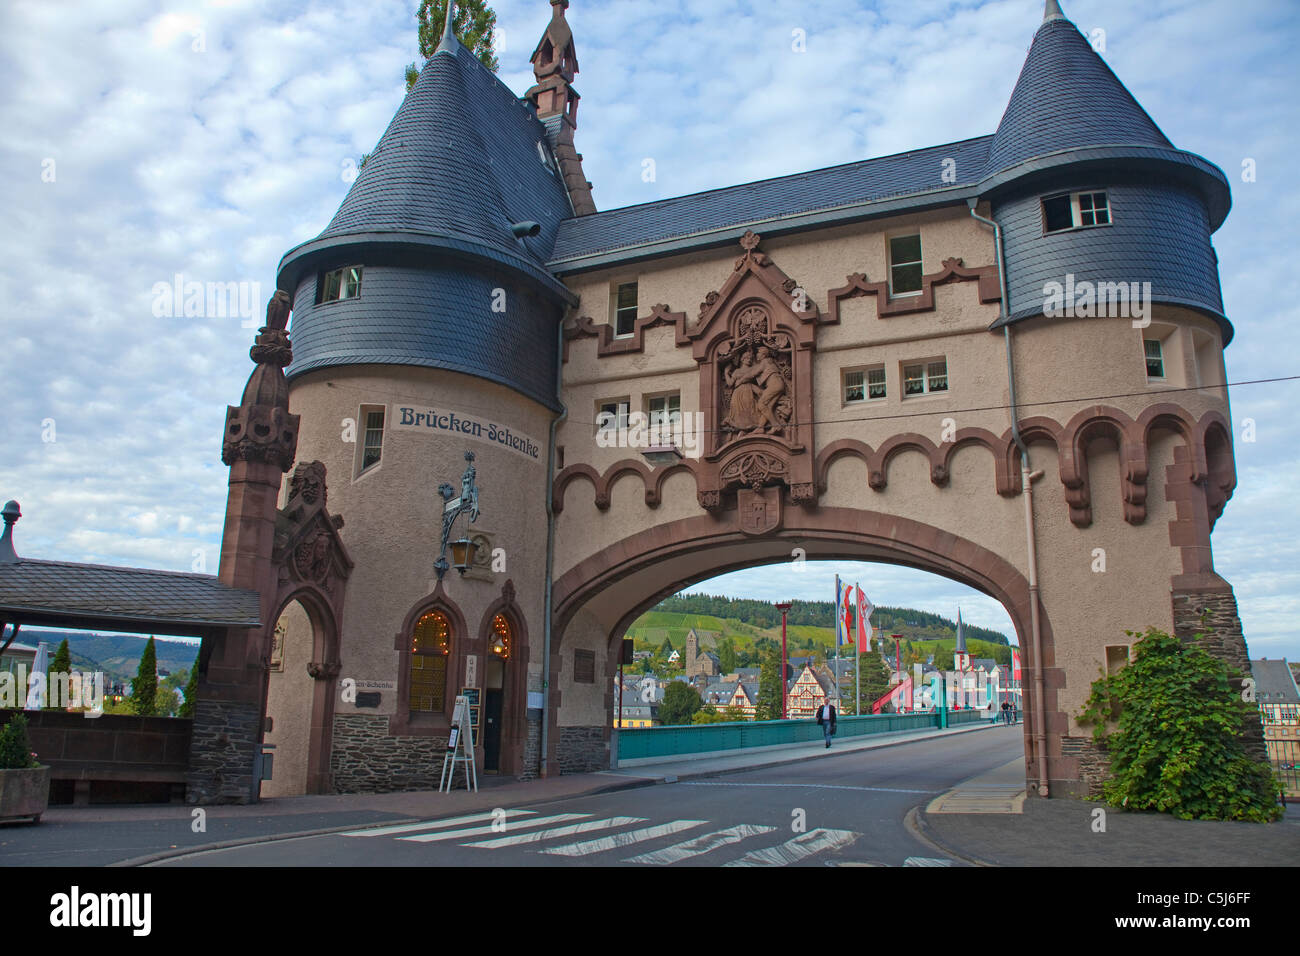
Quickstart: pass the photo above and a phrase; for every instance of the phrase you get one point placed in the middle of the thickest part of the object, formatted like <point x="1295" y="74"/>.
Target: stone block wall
<point x="1093" y="761"/>
<point x="223" y="742"/>
<point x="582" y="749"/>
<point x="367" y="760"/>
<point x="1213" y="614"/>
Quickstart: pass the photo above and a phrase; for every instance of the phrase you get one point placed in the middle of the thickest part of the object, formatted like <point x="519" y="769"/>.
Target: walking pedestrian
<point x="1006" y="713"/>
<point x="826" y="720"/>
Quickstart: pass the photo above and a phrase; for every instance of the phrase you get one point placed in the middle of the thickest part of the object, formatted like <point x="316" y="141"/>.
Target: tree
<point x="1178" y="740"/>
<point x="144" y="689"/>
<point x="873" y="681"/>
<point x="680" y="703"/>
<point x="665" y="649"/>
<point x="191" y="693"/>
<point x="474" y="25"/>
<point x="166" y="702"/>
<point x="727" y="655"/>
<point x="770" y="687"/>
<point x="62" y="665"/>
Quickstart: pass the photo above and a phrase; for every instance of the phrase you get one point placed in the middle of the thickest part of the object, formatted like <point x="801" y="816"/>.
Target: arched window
<point x="501" y="639"/>
<point x="430" y="648"/>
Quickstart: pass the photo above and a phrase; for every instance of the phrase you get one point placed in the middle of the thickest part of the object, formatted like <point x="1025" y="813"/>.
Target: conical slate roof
<point x="458" y="165"/>
<point x="1067" y="98"/>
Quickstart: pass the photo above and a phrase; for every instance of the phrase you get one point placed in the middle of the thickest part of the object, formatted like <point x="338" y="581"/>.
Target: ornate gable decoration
<point x="754" y="342"/>
<point x="308" y="548"/>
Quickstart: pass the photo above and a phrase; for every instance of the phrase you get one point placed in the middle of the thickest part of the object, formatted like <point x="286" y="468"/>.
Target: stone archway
<point x="302" y="671"/>
<point x="603" y="594"/>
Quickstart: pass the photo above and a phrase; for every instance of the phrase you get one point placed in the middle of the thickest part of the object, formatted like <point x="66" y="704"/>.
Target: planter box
<point x="24" y="793"/>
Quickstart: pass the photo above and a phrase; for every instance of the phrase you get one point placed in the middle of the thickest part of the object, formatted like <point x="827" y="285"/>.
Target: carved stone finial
<point x="260" y="428"/>
<point x="278" y="309"/>
<point x="750" y="240"/>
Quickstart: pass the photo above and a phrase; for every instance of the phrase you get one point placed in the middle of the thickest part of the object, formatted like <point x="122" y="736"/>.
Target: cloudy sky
<point x="147" y="140"/>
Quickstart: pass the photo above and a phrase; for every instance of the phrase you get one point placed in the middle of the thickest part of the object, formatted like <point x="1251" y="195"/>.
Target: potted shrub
<point x="24" y="783"/>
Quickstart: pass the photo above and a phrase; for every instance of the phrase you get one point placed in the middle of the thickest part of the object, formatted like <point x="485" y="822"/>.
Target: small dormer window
<point x="342" y="283"/>
<point x="1076" y="211"/>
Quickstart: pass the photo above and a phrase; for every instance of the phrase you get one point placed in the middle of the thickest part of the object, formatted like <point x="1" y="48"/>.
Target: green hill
<point x="117" y="655"/>
<point x="745" y="623"/>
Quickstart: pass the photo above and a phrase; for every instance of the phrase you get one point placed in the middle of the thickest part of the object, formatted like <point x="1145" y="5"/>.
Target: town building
<point x="808" y="691"/>
<point x="699" y="664"/>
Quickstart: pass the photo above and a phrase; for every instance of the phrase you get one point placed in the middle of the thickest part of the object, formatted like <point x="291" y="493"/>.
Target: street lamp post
<point x="453" y="506"/>
<point x="783" y="608"/>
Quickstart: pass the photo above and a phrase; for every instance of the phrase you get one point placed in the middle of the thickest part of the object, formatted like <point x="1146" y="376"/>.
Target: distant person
<point x="1015" y="716"/>
<point x="826" y="720"/>
<point x="1006" y="713"/>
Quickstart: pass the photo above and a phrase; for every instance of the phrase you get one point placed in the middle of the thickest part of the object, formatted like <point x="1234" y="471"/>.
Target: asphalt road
<point x="842" y="810"/>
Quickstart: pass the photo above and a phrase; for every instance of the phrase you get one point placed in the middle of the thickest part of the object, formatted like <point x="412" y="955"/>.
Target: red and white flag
<point x="865" y="607"/>
<point x="1015" y="664"/>
<point x="843" y="633"/>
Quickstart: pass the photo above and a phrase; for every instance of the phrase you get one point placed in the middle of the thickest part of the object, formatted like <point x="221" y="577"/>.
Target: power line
<point x="1089" y="399"/>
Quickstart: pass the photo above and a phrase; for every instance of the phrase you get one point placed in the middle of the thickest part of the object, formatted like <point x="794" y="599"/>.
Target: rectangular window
<point x="664" y="410"/>
<point x="613" y="414"/>
<point x="1076" y="211"/>
<point x="905" y="265"/>
<point x="625" y="309"/>
<point x="924" y="378"/>
<point x="863" y="385"/>
<point x="373" y="440"/>
<point x="342" y="283"/>
<point x="1155" y="358"/>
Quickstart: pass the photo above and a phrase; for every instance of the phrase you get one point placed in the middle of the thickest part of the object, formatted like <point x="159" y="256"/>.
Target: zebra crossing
<point x="618" y="839"/>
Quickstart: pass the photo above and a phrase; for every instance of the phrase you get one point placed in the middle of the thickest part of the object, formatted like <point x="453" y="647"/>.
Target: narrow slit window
<point x="374" y="439"/>
<point x="1155" y="358"/>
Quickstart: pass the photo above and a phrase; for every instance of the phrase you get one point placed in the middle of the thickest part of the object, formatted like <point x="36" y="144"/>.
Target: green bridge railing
<point x="684" y="740"/>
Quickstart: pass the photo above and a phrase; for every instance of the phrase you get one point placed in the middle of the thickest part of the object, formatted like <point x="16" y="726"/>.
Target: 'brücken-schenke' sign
<point x="445" y="420"/>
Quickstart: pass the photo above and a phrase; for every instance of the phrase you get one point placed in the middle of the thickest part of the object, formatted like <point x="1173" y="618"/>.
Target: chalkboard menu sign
<point x="471" y="694"/>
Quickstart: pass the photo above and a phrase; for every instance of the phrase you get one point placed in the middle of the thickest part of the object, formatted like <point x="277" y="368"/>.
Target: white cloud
<point x="213" y="164"/>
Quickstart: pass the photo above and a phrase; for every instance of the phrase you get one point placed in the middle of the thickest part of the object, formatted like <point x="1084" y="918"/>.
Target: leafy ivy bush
<point x="1178" y="740"/>
<point x="15" y="750"/>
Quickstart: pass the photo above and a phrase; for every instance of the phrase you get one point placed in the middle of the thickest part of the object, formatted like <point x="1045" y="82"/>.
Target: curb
<point x="915" y="824"/>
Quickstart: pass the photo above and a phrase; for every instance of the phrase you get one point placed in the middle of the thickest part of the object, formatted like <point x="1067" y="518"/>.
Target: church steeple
<point x="555" y="62"/>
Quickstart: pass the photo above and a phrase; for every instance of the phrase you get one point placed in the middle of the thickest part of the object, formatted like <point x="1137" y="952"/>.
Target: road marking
<point x="800" y="848"/>
<point x="700" y="845"/>
<point x="476" y="831"/>
<point x="433" y="824"/>
<point x="536" y="836"/>
<point x="925" y="861"/>
<point x="801" y="786"/>
<point x="624" y="839"/>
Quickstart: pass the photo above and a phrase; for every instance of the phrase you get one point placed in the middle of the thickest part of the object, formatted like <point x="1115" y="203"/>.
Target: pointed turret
<point x="1067" y="97"/>
<point x="461" y="197"/>
<point x="555" y="62"/>
<point x="1072" y="133"/>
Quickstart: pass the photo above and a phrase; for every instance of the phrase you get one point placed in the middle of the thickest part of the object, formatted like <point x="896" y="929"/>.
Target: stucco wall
<point x="392" y="514"/>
